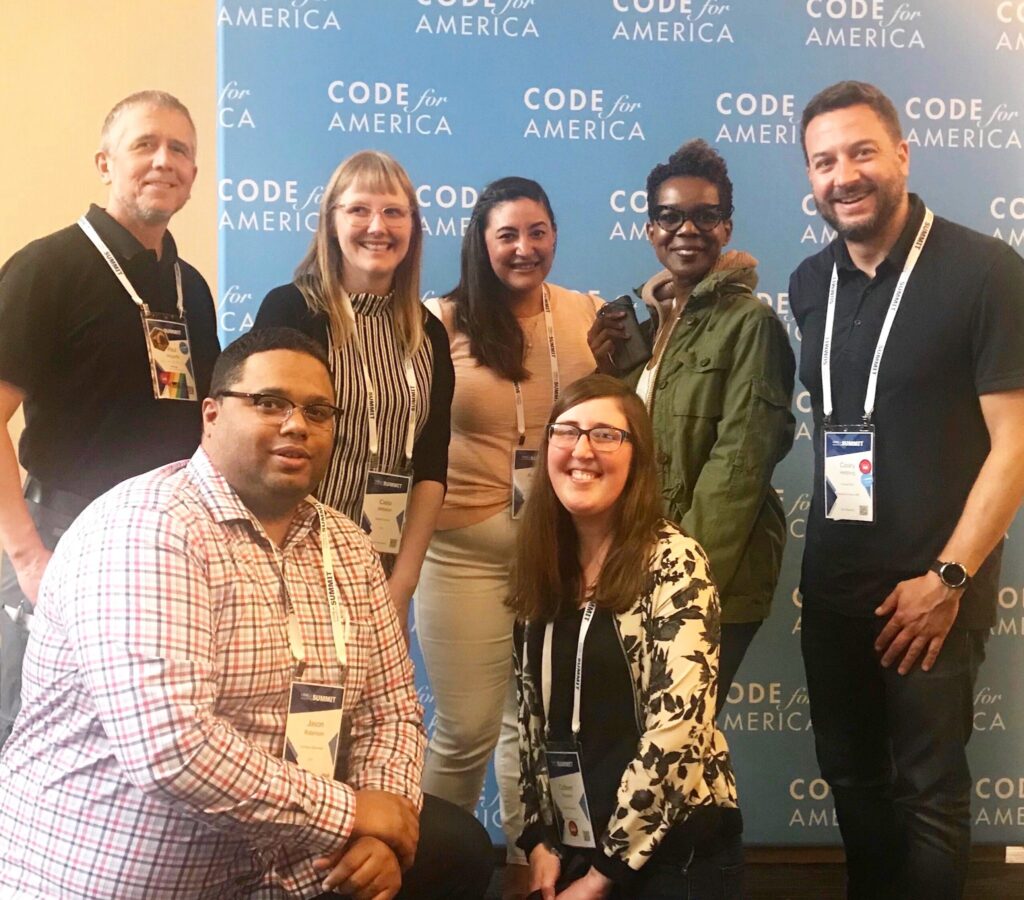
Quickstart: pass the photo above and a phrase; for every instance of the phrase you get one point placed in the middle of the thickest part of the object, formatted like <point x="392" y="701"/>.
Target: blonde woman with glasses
<point x="356" y="293"/>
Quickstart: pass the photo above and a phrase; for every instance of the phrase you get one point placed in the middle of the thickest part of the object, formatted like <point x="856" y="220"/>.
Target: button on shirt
<point x="147" y="758"/>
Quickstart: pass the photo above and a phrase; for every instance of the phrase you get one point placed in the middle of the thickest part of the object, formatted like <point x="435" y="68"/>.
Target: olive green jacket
<point x="722" y="420"/>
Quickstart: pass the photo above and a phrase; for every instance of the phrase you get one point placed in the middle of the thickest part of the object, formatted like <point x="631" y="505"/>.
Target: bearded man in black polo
<point x="913" y="354"/>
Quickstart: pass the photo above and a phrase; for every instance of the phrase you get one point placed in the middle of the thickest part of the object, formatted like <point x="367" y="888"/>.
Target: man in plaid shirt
<point x="172" y="620"/>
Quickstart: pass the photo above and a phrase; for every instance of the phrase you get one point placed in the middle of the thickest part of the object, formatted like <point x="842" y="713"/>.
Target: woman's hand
<point x="606" y="330"/>
<point x="545" y="867"/>
<point x="592" y="886"/>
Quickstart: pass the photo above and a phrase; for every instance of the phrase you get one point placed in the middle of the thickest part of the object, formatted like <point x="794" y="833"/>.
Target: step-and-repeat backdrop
<point x="586" y="96"/>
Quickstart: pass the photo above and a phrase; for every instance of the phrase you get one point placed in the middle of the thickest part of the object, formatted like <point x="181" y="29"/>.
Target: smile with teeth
<point x="582" y="475"/>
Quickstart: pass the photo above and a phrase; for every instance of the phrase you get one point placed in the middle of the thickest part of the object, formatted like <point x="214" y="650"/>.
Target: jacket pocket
<point x="698" y="385"/>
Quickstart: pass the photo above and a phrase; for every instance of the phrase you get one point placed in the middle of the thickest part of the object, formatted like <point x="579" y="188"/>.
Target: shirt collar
<point x="897" y="254"/>
<point x="226" y="506"/>
<point x="123" y="244"/>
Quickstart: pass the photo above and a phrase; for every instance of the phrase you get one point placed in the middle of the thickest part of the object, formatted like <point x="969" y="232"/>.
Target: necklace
<point x="530" y="333"/>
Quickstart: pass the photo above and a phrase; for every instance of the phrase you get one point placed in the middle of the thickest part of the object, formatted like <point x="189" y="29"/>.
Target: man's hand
<point x="602" y="337"/>
<point x="545" y="867"/>
<point x="592" y="886"/>
<point x="391" y="819"/>
<point x="367" y="869"/>
<point x="922" y="611"/>
<point x="29" y="570"/>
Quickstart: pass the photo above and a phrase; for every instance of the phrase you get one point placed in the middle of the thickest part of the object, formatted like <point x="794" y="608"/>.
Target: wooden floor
<point x="988" y="880"/>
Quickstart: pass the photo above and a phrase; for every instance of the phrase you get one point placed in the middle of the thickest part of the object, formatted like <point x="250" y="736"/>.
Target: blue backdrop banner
<point x="586" y="96"/>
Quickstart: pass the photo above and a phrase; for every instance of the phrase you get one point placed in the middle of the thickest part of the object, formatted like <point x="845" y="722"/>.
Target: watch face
<point x="953" y="574"/>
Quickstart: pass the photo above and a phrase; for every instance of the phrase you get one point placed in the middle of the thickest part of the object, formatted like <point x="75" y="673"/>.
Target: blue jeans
<point x="893" y="750"/>
<point x="14" y="634"/>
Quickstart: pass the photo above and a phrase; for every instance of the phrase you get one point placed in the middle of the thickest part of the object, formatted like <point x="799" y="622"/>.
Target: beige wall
<point x="64" y="64"/>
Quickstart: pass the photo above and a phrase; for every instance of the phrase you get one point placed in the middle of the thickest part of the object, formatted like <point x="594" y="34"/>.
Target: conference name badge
<point x="523" y="462"/>
<point x="313" y="729"/>
<point x="385" y="499"/>
<point x="570" y="795"/>
<point x="170" y="359"/>
<point x="850" y="474"/>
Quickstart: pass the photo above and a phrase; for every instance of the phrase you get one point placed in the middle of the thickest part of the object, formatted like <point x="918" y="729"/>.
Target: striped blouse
<point x="344" y="483"/>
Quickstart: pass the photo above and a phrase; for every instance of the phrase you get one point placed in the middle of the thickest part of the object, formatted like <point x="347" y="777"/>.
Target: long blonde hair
<point x="319" y="275"/>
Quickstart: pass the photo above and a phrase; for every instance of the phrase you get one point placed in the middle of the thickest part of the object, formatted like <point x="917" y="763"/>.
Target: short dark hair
<point x="228" y="367"/>
<point x="695" y="159"/>
<point x="844" y="94"/>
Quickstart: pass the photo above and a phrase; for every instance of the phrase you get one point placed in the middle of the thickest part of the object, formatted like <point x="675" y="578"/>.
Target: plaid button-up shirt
<point x="146" y="761"/>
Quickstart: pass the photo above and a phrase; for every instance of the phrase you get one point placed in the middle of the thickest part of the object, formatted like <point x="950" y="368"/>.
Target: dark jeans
<point x="736" y="638"/>
<point x="715" y="877"/>
<point x="454" y="858"/>
<point x="893" y="750"/>
<point x="14" y="635"/>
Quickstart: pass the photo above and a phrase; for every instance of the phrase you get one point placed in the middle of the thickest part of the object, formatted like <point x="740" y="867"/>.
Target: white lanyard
<point x="115" y="267"/>
<point x="339" y="615"/>
<point x="556" y="389"/>
<point x="890" y="317"/>
<point x="577" y="683"/>
<point x="371" y="406"/>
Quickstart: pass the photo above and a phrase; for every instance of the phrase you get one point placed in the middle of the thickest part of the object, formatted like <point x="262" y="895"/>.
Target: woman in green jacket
<point x="718" y="387"/>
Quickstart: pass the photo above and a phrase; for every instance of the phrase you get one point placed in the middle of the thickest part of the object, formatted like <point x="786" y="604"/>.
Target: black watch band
<point x="953" y="574"/>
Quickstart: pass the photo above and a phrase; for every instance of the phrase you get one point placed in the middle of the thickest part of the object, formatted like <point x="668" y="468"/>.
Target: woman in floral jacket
<point x="626" y="781"/>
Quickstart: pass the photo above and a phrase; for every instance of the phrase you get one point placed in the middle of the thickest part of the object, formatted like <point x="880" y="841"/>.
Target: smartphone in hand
<point x="634" y="350"/>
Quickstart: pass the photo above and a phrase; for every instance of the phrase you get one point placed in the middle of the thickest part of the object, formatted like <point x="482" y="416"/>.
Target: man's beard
<point x="887" y="201"/>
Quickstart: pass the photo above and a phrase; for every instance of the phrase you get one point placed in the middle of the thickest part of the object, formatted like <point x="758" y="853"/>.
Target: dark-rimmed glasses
<point x="603" y="438"/>
<point x="704" y="218"/>
<point x="276" y="410"/>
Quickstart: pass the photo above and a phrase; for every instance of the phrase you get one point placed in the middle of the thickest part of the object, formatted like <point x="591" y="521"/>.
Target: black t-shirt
<point x="72" y="340"/>
<point x="959" y="333"/>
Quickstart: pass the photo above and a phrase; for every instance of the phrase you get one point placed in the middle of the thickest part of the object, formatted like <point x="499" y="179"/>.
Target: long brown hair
<point x="546" y="571"/>
<point x="319" y="275"/>
<point x="482" y="312"/>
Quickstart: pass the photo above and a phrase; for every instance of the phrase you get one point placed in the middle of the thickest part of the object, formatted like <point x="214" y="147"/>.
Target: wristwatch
<point x="953" y="574"/>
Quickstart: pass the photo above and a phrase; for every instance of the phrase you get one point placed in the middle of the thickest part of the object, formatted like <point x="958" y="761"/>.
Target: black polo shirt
<point x="72" y="339"/>
<point x="959" y="333"/>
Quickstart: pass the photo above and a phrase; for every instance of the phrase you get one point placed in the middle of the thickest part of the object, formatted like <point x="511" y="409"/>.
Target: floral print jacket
<point x="670" y="637"/>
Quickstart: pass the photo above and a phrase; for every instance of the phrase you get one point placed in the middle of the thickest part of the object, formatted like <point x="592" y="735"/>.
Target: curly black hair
<point x="694" y="159"/>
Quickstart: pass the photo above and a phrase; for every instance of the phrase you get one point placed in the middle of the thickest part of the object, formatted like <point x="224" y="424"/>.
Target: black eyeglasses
<point x="704" y="218"/>
<point x="277" y="410"/>
<point x="603" y="438"/>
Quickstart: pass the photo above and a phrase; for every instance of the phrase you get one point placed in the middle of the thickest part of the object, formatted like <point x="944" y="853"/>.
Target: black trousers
<point x="736" y="638"/>
<point x="893" y="750"/>
<point x="454" y="858"/>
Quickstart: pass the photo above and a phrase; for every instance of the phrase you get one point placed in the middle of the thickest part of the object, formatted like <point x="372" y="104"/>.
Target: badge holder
<point x="385" y="499"/>
<point x="315" y="711"/>
<point x="849" y="471"/>
<point x="568" y="793"/>
<point x="167" y="343"/>
<point x="170" y="359"/>
<point x="313" y="730"/>
<point x="523" y="463"/>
